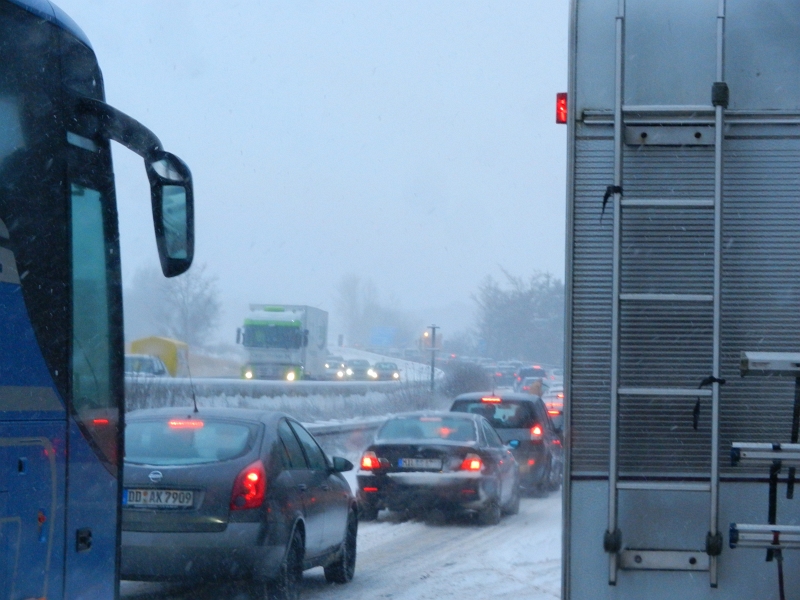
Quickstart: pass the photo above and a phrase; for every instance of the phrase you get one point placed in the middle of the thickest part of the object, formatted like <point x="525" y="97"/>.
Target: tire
<point x="290" y="577"/>
<point x="512" y="508"/>
<point x="490" y="514"/>
<point x="556" y="475"/>
<point x="367" y="512"/>
<point x="343" y="569"/>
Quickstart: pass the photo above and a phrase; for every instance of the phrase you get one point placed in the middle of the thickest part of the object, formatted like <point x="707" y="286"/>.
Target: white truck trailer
<point x="284" y="342"/>
<point x="683" y="272"/>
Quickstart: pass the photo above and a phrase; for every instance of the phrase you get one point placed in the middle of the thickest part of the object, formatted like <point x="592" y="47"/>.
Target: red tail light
<point x="250" y="487"/>
<point x="536" y="433"/>
<point x="553" y="413"/>
<point x="185" y="424"/>
<point x="472" y="462"/>
<point x="561" y="108"/>
<point x="370" y="461"/>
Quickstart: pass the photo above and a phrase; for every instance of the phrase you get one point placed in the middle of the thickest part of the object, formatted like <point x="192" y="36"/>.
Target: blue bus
<point x="61" y="344"/>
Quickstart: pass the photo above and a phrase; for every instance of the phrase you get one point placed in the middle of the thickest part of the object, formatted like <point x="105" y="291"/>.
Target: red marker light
<point x="250" y="487"/>
<point x="472" y="462"/>
<point x="561" y="108"/>
<point x="100" y="422"/>
<point x="369" y="461"/>
<point x="492" y="399"/>
<point x="187" y="424"/>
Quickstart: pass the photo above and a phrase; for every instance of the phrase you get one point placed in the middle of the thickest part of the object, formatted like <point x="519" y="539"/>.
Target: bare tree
<point x="523" y="319"/>
<point x="187" y="307"/>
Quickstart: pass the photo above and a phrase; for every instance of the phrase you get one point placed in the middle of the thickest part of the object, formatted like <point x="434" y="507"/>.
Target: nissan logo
<point x="155" y="476"/>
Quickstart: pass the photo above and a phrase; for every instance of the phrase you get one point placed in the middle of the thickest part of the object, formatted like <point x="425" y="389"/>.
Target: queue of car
<point x="249" y="495"/>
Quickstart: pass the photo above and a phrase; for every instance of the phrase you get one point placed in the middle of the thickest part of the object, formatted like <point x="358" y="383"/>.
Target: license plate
<point x="420" y="463"/>
<point x="157" y="498"/>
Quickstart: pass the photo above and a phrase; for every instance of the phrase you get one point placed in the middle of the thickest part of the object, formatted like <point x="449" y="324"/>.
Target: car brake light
<point x="370" y="461"/>
<point x="536" y="432"/>
<point x="561" y="108"/>
<point x="250" y="487"/>
<point x="553" y="413"/>
<point x="97" y="422"/>
<point x="492" y="399"/>
<point x="186" y="424"/>
<point x="370" y="489"/>
<point x="498" y="374"/>
<point x="472" y="462"/>
<point x="560" y="395"/>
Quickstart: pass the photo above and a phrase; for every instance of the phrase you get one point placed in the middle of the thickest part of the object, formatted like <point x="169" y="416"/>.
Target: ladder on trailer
<point x="708" y="549"/>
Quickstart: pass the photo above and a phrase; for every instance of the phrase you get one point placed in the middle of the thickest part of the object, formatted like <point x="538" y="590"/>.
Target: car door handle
<point x="302" y="487"/>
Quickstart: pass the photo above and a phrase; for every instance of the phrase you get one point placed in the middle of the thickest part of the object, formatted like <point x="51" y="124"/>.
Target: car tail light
<point x="370" y="461"/>
<point x="553" y="412"/>
<point x="472" y="462"/>
<point x="370" y="489"/>
<point x="561" y="108"/>
<point x="250" y="487"/>
<point x="536" y="433"/>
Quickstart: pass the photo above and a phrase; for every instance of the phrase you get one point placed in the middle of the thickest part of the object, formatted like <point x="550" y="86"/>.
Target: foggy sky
<point x="413" y="143"/>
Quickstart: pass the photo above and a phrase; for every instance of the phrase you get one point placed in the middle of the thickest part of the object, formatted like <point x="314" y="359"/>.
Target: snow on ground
<point x="415" y="560"/>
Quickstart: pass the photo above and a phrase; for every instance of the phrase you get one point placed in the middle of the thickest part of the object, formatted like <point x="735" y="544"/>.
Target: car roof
<point x="241" y="414"/>
<point x="437" y="413"/>
<point x="517" y="396"/>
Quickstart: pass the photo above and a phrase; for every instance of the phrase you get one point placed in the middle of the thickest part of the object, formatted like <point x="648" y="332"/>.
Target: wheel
<point x="512" y="508"/>
<point x="556" y="475"/>
<point x="343" y="569"/>
<point x="490" y="514"/>
<point x="367" y="512"/>
<point x="287" y="585"/>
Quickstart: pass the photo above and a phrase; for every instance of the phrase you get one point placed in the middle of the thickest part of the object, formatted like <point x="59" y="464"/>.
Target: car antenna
<point x="191" y="385"/>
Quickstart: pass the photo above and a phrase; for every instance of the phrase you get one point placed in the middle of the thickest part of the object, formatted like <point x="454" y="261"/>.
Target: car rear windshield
<point x="507" y="414"/>
<point x="186" y="441"/>
<point x="428" y="428"/>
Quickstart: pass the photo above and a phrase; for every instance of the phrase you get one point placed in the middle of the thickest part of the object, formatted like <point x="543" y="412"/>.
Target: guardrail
<point x="328" y="429"/>
<point x="136" y="387"/>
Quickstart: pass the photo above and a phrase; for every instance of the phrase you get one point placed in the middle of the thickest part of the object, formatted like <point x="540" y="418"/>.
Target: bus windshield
<point x="272" y="336"/>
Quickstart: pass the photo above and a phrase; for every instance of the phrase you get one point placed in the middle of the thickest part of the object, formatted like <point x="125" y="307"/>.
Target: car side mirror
<point x="340" y="465"/>
<point x="172" y="197"/>
<point x="513" y="444"/>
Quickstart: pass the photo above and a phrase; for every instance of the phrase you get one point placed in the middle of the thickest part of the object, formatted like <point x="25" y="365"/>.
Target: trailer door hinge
<point x="714" y="544"/>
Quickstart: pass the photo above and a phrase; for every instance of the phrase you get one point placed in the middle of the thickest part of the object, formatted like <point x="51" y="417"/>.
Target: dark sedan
<point x="233" y="494"/>
<point x="438" y="460"/>
<point x="524" y="418"/>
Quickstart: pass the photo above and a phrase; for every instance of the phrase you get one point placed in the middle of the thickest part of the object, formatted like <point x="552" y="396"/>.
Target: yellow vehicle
<point x="174" y="354"/>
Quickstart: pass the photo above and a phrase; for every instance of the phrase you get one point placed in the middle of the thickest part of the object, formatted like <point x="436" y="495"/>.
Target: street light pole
<point x="433" y="329"/>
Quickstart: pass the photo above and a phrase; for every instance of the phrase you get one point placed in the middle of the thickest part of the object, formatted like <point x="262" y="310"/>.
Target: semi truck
<point x="683" y="328"/>
<point x="284" y="342"/>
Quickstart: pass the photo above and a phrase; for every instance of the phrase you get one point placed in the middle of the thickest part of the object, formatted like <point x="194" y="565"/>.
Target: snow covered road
<point x="415" y="560"/>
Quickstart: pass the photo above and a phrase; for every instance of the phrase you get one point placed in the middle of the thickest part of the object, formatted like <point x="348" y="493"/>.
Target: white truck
<point x="284" y="342"/>
<point x="683" y="271"/>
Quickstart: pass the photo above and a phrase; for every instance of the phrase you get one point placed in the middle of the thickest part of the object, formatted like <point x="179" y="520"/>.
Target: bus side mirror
<point x="238" y="335"/>
<point x="172" y="197"/>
